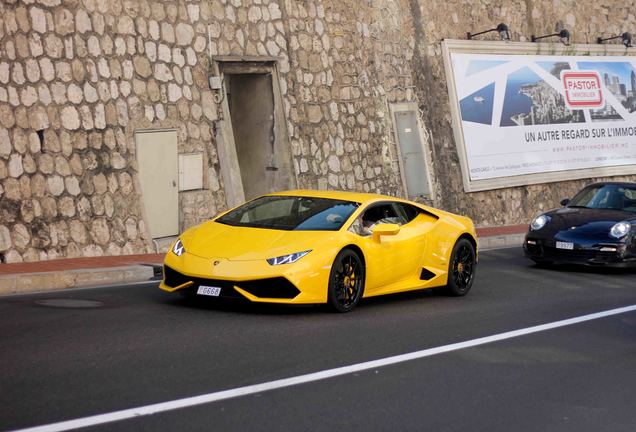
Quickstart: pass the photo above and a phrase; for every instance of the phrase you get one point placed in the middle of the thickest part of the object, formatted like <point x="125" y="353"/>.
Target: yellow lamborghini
<point x="323" y="247"/>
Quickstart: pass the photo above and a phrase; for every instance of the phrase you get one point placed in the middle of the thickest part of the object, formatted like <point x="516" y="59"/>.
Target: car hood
<point x="594" y="222"/>
<point x="217" y="240"/>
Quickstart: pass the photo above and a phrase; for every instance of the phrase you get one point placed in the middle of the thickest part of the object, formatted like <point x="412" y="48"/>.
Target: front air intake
<point x="278" y="287"/>
<point x="173" y="278"/>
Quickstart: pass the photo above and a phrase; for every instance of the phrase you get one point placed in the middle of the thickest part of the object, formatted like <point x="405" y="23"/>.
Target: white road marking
<point x="311" y="377"/>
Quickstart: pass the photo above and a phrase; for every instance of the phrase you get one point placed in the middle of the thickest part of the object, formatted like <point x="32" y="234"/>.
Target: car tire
<point x="346" y="281"/>
<point x="462" y="268"/>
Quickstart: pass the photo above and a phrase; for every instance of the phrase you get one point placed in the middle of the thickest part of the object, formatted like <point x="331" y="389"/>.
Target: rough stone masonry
<point x="78" y="77"/>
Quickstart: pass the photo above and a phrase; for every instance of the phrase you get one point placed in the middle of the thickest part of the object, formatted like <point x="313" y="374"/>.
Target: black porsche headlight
<point x="178" y="249"/>
<point x="539" y="222"/>
<point x="621" y="229"/>
<point x="287" y="259"/>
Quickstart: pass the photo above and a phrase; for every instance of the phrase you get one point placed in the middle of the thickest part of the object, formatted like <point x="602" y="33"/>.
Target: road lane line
<point x="311" y="377"/>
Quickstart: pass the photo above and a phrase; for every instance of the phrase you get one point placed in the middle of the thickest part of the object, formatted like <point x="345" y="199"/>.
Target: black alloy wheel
<point x="461" y="272"/>
<point x="346" y="281"/>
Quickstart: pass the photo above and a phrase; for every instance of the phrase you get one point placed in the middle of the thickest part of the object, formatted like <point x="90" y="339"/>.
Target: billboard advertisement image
<point x="525" y="115"/>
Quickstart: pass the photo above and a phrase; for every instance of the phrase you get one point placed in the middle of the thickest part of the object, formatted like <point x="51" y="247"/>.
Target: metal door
<point x="158" y="178"/>
<point x="413" y="161"/>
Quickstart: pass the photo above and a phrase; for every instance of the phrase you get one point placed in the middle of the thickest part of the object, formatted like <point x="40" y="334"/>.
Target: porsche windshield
<point x="608" y="196"/>
<point x="291" y="213"/>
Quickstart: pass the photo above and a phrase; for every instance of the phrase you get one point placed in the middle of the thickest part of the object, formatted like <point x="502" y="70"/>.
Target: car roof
<point x="359" y="197"/>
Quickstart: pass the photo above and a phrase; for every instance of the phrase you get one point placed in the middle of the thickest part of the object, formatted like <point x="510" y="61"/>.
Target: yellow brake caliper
<point x="350" y="279"/>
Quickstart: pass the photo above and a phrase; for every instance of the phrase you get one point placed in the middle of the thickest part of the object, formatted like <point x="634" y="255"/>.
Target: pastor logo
<point x="582" y="89"/>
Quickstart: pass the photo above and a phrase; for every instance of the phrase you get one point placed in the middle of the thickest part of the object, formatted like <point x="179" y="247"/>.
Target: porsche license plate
<point x="209" y="291"/>
<point x="564" y="245"/>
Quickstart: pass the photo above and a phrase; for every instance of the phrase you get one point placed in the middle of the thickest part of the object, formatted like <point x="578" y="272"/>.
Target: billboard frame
<point x="451" y="46"/>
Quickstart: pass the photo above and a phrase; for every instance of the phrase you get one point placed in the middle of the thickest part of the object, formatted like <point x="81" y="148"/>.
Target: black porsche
<point x="597" y="227"/>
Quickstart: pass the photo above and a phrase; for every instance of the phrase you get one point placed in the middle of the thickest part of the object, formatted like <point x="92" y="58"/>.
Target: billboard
<point x="523" y="119"/>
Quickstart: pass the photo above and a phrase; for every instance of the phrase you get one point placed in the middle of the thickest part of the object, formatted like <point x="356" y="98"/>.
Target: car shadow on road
<point x="585" y="269"/>
<point x="247" y="307"/>
<point x="240" y="306"/>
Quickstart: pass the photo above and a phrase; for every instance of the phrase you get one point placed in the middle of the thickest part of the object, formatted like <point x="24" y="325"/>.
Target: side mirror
<point x="385" y="229"/>
<point x="565" y="201"/>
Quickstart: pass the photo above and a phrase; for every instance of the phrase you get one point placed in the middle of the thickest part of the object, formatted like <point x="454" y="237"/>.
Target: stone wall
<point x="79" y="77"/>
<point x="347" y="63"/>
<point x="65" y="157"/>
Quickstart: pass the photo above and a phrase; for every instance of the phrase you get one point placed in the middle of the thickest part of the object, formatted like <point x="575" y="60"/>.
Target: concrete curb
<point x="22" y="283"/>
<point x="501" y="241"/>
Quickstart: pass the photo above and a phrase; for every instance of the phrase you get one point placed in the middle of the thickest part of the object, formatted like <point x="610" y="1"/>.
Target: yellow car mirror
<point x="385" y="229"/>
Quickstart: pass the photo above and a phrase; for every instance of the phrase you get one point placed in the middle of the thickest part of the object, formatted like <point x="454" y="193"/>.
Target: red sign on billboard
<point x="582" y="89"/>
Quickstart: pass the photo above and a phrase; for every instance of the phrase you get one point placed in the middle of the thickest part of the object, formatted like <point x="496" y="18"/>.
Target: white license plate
<point x="209" y="291"/>
<point x="564" y="245"/>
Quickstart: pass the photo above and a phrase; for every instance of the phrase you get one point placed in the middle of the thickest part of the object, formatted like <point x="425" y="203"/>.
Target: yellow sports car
<point x="329" y="247"/>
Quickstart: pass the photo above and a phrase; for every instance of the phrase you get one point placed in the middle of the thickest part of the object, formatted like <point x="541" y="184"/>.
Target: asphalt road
<point x="72" y="354"/>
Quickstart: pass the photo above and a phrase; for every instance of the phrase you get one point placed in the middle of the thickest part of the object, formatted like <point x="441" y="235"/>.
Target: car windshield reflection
<point x="291" y="213"/>
<point x="606" y="197"/>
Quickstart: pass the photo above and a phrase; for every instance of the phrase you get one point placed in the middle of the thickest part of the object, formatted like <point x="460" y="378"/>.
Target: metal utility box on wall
<point x="158" y="178"/>
<point x="190" y="171"/>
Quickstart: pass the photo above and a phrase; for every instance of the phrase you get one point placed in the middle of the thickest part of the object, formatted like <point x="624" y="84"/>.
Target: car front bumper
<point x="610" y="255"/>
<point x="257" y="281"/>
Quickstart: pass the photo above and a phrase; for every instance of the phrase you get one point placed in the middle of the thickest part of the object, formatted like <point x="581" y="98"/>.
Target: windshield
<point x="610" y="196"/>
<point x="291" y="213"/>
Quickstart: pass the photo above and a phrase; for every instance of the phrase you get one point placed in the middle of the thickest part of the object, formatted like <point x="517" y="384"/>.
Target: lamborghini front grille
<point x="278" y="287"/>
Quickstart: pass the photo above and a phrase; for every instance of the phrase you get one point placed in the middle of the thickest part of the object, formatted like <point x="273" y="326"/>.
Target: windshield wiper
<point x="577" y="206"/>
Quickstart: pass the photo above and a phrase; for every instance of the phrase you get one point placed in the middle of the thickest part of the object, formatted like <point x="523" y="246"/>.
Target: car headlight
<point x="620" y="229"/>
<point x="539" y="222"/>
<point x="287" y="259"/>
<point x="178" y="249"/>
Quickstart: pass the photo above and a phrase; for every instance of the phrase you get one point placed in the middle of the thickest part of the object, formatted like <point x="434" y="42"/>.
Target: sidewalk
<point x="111" y="270"/>
<point x="78" y="272"/>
